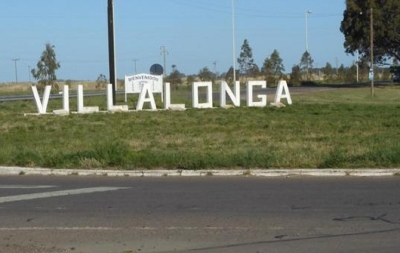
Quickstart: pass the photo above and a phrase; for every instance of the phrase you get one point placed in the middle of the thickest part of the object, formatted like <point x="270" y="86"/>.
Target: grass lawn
<point x="335" y="128"/>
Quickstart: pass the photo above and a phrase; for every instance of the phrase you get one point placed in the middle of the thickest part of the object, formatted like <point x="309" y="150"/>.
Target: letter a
<point x="282" y="86"/>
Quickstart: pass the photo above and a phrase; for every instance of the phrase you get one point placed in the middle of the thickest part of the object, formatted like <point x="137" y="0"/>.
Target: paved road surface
<point x="207" y="214"/>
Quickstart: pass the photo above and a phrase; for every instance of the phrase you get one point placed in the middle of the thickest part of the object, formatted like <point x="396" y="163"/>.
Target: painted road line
<point x="58" y="194"/>
<point x="26" y="186"/>
<point x="131" y="228"/>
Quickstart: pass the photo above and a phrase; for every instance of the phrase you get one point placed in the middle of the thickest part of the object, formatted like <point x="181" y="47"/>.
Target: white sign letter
<point x="263" y="98"/>
<point x="167" y="100"/>
<point x="142" y="97"/>
<point x="282" y="86"/>
<point x="195" y="95"/>
<point x="81" y="108"/>
<point x="235" y="98"/>
<point x="65" y="109"/>
<point x="42" y="106"/>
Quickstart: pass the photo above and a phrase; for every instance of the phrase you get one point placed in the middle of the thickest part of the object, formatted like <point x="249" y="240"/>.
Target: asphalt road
<point x="199" y="214"/>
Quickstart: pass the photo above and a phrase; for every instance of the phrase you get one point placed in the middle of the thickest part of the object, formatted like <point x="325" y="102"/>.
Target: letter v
<point x="42" y="105"/>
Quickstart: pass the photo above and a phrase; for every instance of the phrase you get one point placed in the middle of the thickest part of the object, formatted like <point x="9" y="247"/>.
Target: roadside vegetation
<point x="333" y="128"/>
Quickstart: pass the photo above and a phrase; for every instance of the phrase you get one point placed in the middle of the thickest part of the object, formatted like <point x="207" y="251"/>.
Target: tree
<point x="295" y="77"/>
<point x="306" y="64"/>
<point x="46" y="68"/>
<point x="386" y="24"/>
<point x="206" y="75"/>
<point x="175" y="78"/>
<point x="101" y="81"/>
<point x="273" y="67"/>
<point x="245" y="60"/>
<point x="190" y="79"/>
<point x="229" y="75"/>
<point x="328" y="70"/>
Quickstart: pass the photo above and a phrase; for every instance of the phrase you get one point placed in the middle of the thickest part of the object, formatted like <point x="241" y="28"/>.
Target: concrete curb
<point x="196" y="173"/>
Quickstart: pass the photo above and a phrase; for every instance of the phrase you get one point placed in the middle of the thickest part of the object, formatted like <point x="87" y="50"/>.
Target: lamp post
<point x="306" y="17"/>
<point x="308" y="54"/>
<point x="372" y="50"/>
<point x="233" y="42"/>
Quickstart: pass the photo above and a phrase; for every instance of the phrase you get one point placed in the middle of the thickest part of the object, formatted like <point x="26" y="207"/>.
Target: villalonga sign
<point x="146" y="85"/>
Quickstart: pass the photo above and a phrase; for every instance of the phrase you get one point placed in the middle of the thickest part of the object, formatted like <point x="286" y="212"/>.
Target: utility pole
<point x="16" y="69"/>
<point x="29" y="73"/>
<point x="134" y="64"/>
<point x="164" y="53"/>
<point x="111" y="48"/>
<point x="372" y="50"/>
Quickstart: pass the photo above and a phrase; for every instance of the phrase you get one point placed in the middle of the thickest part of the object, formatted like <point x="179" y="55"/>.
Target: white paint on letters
<point x="57" y="194"/>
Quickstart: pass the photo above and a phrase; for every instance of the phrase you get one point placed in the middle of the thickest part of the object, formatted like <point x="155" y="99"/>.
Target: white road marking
<point x="57" y="194"/>
<point x="127" y="228"/>
<point x="26" y="186"/>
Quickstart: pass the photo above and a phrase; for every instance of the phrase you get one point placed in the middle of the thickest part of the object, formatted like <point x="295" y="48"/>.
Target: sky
<point x="194" y="33"/>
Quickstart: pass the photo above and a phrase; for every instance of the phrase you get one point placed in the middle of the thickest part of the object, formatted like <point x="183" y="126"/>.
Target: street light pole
<point x="233" y="42"/>
<point x="306" y="17"/>
<point x="372" y="50"/>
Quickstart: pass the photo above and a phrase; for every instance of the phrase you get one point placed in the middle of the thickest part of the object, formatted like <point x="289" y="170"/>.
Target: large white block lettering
<point x="81" y="108"/>
<point x="110" y="103"/>
<point x="65" y="109"/>
<point x="42" y="104"/>
<point x="167" y="100"/>
<point x="263" y="98"/>
<point x="146" y="89"/>
<point x="282" y="92"/>
<point x="195" y="95"/>
<point x="235" y="98"/>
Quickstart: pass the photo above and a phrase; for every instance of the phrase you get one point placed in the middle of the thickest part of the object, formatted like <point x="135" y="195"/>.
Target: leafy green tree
<point x="175" y="78"/>
<point x="273" y="67"/>
<point x="206" y="75"/>
<point x="306" y="65"/>
<point x="254" y="71"/>
<point x="245" y="60"/>
<point x="386" y="24"/>
<point x="46" y="68"/>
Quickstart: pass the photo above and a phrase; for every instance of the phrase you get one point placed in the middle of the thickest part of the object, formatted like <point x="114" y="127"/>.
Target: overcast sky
<point x="196" y="33"/>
